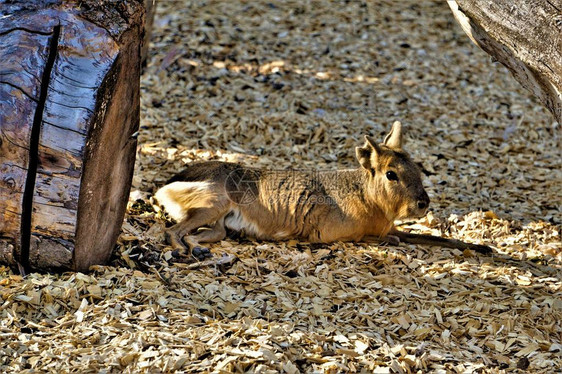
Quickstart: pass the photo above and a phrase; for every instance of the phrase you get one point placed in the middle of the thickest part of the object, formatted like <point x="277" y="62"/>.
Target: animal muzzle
<point x="422" y="205"/>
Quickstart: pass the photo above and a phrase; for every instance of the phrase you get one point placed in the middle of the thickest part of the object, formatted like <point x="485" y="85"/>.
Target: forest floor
<point x="297" y="84"/>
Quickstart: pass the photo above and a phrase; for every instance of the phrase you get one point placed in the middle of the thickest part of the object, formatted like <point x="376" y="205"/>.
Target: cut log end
<point x="67" y="112"/>
<point x="523" y="35"/>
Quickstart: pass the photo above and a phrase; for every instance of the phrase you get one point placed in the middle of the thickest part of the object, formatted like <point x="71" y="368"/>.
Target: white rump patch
<point x="178" y="197"/>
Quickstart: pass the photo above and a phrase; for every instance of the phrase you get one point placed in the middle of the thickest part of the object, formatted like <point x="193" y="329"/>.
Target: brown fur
<point x="322" y="206"/>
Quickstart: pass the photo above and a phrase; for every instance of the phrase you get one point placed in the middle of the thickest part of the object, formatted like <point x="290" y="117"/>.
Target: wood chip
<point x="296" y="85"/>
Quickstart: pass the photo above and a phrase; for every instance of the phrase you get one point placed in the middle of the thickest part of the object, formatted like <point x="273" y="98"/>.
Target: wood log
<point x="525" y="36"/>
<point x="69" y="107"/>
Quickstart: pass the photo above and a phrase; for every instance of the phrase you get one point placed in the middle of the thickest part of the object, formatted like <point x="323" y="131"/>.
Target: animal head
<point x="394" y="182"/>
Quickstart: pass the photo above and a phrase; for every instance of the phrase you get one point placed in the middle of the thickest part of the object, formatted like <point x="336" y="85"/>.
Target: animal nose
<point x="422" y="204"/>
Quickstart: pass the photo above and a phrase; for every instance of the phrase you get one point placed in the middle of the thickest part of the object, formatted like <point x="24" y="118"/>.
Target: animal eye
<point x="391" y="176"/>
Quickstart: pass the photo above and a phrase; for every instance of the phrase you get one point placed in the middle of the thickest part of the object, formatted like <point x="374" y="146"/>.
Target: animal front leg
<point x="389" y="239"/>
<point x="407" y="237"/>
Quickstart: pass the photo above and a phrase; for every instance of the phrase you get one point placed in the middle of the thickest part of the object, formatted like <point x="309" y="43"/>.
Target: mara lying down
<point x="319" y="207"/>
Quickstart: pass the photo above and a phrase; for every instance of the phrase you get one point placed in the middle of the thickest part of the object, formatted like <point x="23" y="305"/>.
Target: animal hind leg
<point x="213" y="234"/>
<point x="205" y="235"/>
<point x="195" y="218"/>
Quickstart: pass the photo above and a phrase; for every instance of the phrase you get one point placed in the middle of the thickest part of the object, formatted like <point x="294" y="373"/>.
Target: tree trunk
<point x="69" y="106"/>
<point x="525" y="36"/>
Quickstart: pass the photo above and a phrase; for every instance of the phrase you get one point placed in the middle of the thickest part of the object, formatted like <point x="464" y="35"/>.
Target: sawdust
<point x="297" y="84"/>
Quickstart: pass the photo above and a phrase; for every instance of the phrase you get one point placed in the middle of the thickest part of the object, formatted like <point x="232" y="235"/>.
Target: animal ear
<point x="368" y="153"/>
<point x="394" y="138"/>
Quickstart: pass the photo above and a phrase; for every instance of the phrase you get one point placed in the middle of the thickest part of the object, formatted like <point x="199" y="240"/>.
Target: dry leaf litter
<point x="296" y="84"/>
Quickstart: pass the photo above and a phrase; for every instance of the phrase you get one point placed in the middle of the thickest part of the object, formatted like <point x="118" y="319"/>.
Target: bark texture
<point x="69" y="105"/>
<point x="525" y="36"/>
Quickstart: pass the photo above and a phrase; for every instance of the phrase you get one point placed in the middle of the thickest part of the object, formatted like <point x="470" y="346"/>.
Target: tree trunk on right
<point x="525" y="36"/>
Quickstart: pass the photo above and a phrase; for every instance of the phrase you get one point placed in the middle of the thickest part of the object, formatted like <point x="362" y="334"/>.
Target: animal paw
<point x="201" y="253"/>
<point x="392" y="240"/>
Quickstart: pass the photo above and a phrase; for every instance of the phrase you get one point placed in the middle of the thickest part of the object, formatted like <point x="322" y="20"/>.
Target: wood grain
<point x="525" y="36"/>
<point x="77" y="159"/>
<point x="22" y="65"/>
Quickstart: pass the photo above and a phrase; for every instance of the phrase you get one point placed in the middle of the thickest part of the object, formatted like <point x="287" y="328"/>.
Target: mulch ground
<point x="296" y="84"/>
